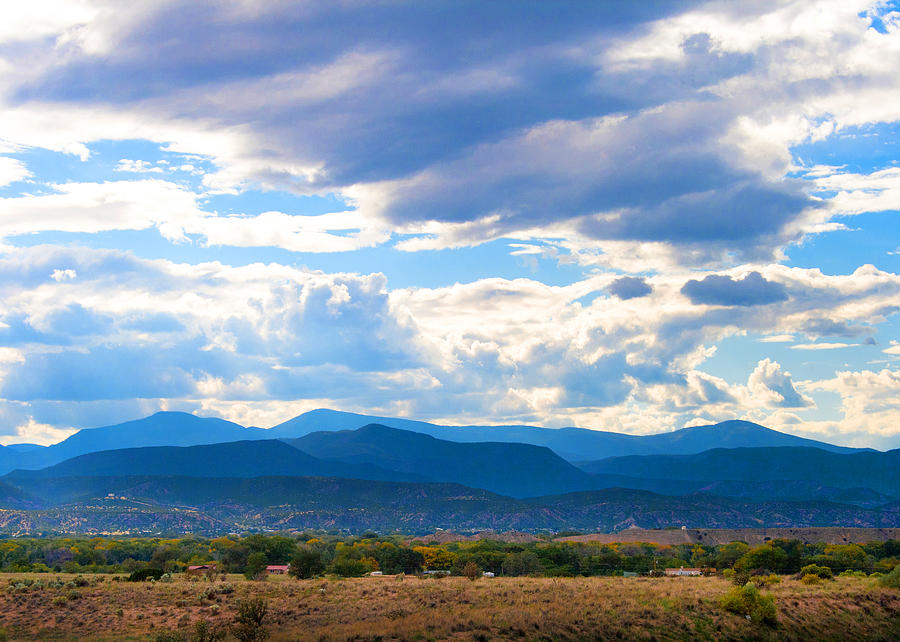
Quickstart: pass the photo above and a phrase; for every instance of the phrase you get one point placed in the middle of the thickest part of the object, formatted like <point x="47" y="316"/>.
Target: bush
<point x="822" y="572"/>
<point x="248" y="626"/>
<point x="206" y="632"/>
<point x="747" y="600"/>
<point x="892" y="579"/>
<point x="853" y="574"/>
<point x="145" y="574"/>
<point x="740" y="578"/>
<point x="811" y="579"/>
<point x="766" y="580"/>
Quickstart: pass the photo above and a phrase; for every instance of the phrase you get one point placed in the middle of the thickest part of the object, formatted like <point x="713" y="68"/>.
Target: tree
<point x="522" y="563"/>
<point x="472" y="571"/>
<point x="256" y="566"/>
<point x="306" y="563"/>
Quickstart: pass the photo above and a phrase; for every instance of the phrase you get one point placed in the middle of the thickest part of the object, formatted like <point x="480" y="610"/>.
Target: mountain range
<point x="572" y="444"/>
<point x="732" y="474"/>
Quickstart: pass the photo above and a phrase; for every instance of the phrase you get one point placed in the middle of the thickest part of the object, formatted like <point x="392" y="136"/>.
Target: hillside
<point x="221" y="505"/>
<point x="517" y="470"/>
<point x="878" y="471"/>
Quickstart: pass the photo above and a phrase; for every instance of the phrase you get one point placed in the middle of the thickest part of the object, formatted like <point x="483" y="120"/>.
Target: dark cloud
<point x="824" y="327"/>
<point x="753" y="289"/>
<point x="630" y="287"/>
<point x="468" y="109"/>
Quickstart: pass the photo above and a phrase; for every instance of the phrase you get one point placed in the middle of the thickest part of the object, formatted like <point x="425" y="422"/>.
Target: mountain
<point x="573" y="444"/>
<point x="878" y="471"/>
<point x="160" y="429"/>
<point x="231" y="459"/>
<point x="24" y="448"/>
<point x="517" y="470"/>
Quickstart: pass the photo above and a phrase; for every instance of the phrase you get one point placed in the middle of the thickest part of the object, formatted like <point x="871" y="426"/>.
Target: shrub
<point x="747" y="600"/>
<point x="822" y="572"/>
<point x="248" y="626"/>
<point x="59" y="600"/>
<point x="892" y="579"/>
<point x="740" y="578"/>
<point x="472" y="571"/>
<point x="206" y="632"/>
<point x="853" y="574"/>
<point x="144" y="574"/>
<point x="810" y="579"/>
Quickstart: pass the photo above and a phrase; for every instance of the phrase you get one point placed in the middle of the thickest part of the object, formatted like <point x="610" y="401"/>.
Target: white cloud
<point x="137" y="167"/>
<point x="777" y="338"/>
<point x="96" y="207"/>
<point x="33" y="432"/>
<point x="63" y="275"/>
<point x="821" y="346"/>
<point x="12" y="170"/>
<point x="773" y="384"/>
<point x="870" y="402"/>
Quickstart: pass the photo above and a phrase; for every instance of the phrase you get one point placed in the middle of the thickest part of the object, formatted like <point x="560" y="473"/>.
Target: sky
<point x="623" y="216"/>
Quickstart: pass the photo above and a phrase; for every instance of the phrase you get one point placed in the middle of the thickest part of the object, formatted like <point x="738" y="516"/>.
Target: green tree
<point x="307" y="563"/>
<point x="256" y="566"/>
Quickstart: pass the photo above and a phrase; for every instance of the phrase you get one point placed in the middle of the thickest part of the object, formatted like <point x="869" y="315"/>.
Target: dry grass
<point x="455" y="608"/>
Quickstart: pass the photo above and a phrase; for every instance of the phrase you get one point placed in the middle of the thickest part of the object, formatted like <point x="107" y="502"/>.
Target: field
<point x="406" y="608"/>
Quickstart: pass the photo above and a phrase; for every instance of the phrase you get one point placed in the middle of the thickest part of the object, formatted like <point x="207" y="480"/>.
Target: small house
<point x="201" y="569"/>
<point x="683" y="572"/>
<point x="277" y="569"/>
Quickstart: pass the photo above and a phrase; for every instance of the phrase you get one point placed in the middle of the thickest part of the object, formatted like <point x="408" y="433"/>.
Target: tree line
<point x="313" y="554"/>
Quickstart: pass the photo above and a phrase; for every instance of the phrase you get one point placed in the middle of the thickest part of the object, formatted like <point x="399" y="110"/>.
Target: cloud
<point x="96" y="207"/>
<point x="629" y="287"/>
<point x="893" y="349"/>
<point x="869" y="402"/>
<point x="820" y="346"/>
<point x="769" y="380"/>
<point x="12" y="170"/>
<point x="609" y="126"/>
<point x="752" y="289"/>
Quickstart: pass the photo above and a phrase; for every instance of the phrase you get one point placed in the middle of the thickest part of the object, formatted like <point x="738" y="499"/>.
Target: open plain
<point x="414" y="608"/>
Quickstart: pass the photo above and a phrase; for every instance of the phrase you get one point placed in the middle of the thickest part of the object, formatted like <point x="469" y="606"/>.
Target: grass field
<point x="410" y="608"/>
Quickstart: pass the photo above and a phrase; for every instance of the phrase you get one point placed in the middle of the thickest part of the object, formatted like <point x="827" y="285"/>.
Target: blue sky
<point x="622" y="216"/>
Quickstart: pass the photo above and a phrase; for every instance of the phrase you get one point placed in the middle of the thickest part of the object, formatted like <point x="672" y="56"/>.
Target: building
<point x="683" y="572"/>
<point x="277" y="569"/>
<point x="201" y="569"/>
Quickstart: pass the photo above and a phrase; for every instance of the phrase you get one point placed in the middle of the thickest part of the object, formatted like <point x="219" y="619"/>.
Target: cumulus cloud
<point x="768" y="380"/>
<point x="752" y="289"/>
